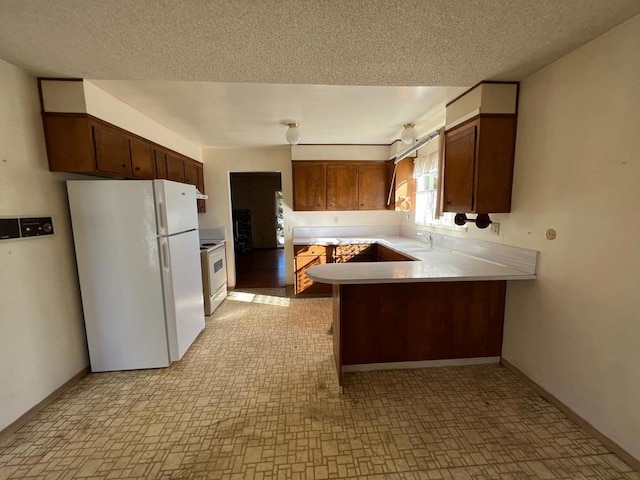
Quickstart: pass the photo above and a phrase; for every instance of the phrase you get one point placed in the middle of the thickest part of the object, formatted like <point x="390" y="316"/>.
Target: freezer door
<point x="176" y="207"/>
<point x="182" y="282"/>
<point x="114" y="230"/>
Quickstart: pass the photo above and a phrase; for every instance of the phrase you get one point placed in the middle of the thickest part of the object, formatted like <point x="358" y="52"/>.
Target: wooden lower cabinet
<point x="401" y="322"/>
<point x="305" y="257"/>
<point x="384" y="254"/>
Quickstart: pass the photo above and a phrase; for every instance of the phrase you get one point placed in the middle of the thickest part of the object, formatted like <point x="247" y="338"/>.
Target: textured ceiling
<point x="332" y="65"/>
<point x="358" y="42"/>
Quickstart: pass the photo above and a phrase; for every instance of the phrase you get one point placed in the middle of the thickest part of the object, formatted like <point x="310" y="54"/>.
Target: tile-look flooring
<point x="256" y="398"/>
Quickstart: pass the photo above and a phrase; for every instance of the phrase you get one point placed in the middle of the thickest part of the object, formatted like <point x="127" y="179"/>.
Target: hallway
<point x="261" y="268"/>
<point x="256" y="398"/>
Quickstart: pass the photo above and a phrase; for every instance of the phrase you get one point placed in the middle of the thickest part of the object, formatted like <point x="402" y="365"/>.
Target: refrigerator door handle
<point x="162" y="214"/>
<point x="165" y="255"/>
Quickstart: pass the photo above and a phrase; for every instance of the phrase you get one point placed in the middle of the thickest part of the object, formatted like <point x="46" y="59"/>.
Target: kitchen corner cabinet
<point x="80" y="143"/>
<point x="478" y="165"/>
<point x="340" y="185"/>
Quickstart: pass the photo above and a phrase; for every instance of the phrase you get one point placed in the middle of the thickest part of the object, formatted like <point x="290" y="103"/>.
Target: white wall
<point x="218" y="162"/>
<point x="42" y="342"/>
<point x="576" y="329"/>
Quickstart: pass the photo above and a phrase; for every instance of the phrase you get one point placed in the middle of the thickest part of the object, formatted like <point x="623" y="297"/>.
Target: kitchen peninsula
<point x="445" y="305"/>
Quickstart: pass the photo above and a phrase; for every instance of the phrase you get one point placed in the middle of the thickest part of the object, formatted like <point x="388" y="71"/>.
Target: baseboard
<point x="577" y="419"/>
<point x="451" y="362"/>
<point x="33" y="411"/>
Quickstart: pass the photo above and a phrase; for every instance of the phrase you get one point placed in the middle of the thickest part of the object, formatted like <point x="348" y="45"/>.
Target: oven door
<point x="217" y="270"/>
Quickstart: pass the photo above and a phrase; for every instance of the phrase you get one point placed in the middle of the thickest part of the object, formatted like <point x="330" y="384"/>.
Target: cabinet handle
<point x="362" y="204"/>
<point x="332" y="205"/>
<point x="124" y="165"/>
<point x="448" y="202"/>
<point x="137" y="168"/>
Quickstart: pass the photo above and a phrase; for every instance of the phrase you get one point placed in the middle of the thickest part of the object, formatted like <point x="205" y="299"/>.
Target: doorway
<point x="258" y="229"/>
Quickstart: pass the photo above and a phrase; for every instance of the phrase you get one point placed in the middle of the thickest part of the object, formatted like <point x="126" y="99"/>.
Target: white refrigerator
<point x="138" y="256"/>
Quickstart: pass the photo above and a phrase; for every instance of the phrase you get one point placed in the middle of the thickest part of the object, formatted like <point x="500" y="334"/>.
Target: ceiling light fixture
<point x="409" y="134"/>
<point x="293" y="134"/>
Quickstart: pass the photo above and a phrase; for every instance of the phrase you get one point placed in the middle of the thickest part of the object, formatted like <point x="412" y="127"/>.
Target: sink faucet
<point x="428" y="235"/>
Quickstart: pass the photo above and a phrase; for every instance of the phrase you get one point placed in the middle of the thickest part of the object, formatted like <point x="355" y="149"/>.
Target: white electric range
<point x="214" y="268"/>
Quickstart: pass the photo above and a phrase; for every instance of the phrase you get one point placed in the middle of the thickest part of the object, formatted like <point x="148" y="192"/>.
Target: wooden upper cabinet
<point x="111" y="151"/>
<point x="309" y="186"/>
<point x="69" y="144"/>
<point x="342" y="193"/>
<point x="175" y="168"/>
<point x="142" y="159"/>
<point x="80" y="143"/>
<point x="202" y="204"/>
<point x="405" y="186"/>
<point x="372" y="187"/>
<point x="459" y="169"/>
<point x="160" y="164"/>
<point x="478" y="165"/>
<point x="340" y="185"/>
<point x="191" y="172"/>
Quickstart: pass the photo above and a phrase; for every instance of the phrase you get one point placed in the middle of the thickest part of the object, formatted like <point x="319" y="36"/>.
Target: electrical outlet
<point x="494" y="229"/>
<point x="335" y="219"/>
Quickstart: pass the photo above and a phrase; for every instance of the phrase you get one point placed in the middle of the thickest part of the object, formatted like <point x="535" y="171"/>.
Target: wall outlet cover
<point x="494" y="229"/>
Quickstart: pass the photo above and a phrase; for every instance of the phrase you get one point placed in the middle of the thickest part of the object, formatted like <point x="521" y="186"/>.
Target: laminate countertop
<point x="435" y="264"/>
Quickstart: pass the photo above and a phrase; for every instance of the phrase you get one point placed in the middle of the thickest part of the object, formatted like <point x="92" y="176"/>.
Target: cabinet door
<point x="202" y="204"/>
<point x="175" y="168"/>
<point x="309" y="186"/>
<point x="191" y="173"/>
<point x="459" y="164"/>
<point x="372" y="187"/>
<point x="342" y="187"/>
<point x="405" y="187"/>
<point x="69" y="145"/>
<point x="306" y="257"/>
<point x="142" y="159"/>
<point x="112" y="151"/>
<point x="161" y="165"/>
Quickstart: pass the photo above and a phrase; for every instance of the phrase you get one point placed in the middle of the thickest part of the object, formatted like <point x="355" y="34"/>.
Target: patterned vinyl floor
<point x="256" y="398"/>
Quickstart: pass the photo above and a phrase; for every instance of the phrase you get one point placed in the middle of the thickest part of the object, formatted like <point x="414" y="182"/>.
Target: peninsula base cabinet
<point x="80" y="143"/>
<point x="409" y="322"/>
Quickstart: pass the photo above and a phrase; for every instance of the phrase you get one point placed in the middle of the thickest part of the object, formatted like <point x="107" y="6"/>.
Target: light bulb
<point x="293" y="134"/>
<point x="409" y="134"/>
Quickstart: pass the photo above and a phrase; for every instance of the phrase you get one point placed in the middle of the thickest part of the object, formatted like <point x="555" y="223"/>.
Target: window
<point x="426" y="171"/>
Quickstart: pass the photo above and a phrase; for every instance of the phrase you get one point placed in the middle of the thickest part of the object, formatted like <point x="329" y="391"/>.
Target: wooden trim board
<point x="575" y="418"/>
<point x="453" y="362"/>
<point x="33" y="411"/>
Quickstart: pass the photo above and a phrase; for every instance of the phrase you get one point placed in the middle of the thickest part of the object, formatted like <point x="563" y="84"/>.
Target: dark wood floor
<point x="260" y="268"/>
